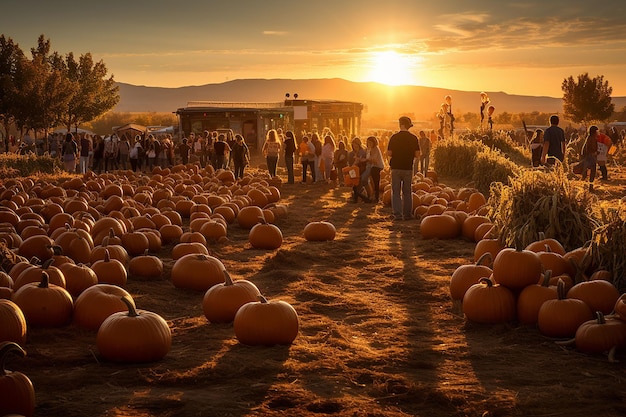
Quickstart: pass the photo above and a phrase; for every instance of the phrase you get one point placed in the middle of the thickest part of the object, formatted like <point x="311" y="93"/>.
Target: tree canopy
<point x="587" y="99"/>
<point x="51" y="89"/>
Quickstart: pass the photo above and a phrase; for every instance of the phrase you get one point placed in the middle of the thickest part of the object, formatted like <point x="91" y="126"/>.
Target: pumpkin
<point x="319" y="231"/>
<point x="115" y="252"/>
<point x="532" y="297"/>
<point x="135" y="243"/>
<point x="467" y="275"/>
<point x="265" y="236"/>
<point x="110" y="271"/>
<point x="439" y="226"/>
<point x="493" y="246"/>
<point x="599" y="295"/>
<point x="197" y="272"/>
<point x="135" y="336"/>
<point x="33" y="274"/>
<point x="78" y="277"/>
<point x="249" y="216"/>
<point x="145" y="267"/>
<point x="620" y="307"/>
<point x="221" y="301"/>
<point x="13" y="327"/>
<point x="266" y="323"/>
<point x="213" y="231"/>
<point x="97" y="303"/>
<point x="561" y="317"/>
<point x="17" y="395"/>
<point x="470" y="224"/>
<point x="182" y="249"/>
<point x="540" y="245"/>
<point x="601" y="334"/>
<point x="39" y="246"/>
<point x="553" y="261"/>
<point x="516" y="269"/>
<point x="44" y="304"/>
<point x="170" y="233"/>
<point x="489" y="303"/>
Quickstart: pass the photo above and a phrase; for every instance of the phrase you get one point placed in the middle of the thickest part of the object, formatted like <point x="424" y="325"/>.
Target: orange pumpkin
<point x="319" y="231"/>
<point x="266" y="323"/>
<point x="562" y="316"/>
<point x="265" y="236"/>
<point x="489" y="303"/>
<point x="44" y="304"/>
<point x="467" y="275"/>
<point x="601" y="334"/>
<point x="17" y="395"/>
<point x="516" y="269"/>
<point x="599" y="295"/>
<point x="135" y="336"/>
<point x="222" y="301"/>
<point x="13" y="327"/>
<point x="197" y="272"/>
<point x="110" y="271"/>
<point x="97" y="303"/>
<point x="532" y="297"/>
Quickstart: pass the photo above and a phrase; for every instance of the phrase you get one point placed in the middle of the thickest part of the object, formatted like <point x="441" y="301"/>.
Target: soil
<point x="379" y="336"/>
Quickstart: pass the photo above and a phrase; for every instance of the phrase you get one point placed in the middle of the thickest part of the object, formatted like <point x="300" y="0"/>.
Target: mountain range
<point x="381" y="102"/>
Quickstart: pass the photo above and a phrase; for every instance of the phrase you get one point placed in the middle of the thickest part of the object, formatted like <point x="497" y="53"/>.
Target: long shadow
<point x="344" y="304"/>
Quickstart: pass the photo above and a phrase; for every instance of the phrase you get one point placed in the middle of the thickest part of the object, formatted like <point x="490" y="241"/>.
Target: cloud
<point x="274" y="33"/>
<point x="469" y="32"/>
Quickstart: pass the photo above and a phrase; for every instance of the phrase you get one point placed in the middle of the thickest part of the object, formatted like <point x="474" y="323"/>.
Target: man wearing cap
<point x="402" y="150"/>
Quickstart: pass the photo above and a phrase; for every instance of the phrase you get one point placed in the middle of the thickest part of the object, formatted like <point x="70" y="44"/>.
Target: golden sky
<point x="521" y="47"/>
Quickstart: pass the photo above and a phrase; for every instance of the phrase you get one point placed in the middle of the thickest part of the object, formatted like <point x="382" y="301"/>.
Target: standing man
<point x="553" y="142"/>
<point x="402" y="150"/>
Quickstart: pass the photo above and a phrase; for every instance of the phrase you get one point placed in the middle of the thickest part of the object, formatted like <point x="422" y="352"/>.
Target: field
<point x="379" y="336"/>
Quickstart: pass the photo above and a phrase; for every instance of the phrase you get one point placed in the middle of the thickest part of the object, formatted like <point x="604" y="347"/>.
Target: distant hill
<point x="381" y="102"/>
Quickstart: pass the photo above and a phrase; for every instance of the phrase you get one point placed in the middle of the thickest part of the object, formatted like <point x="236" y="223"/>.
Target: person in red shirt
<point x="604" y="144"/>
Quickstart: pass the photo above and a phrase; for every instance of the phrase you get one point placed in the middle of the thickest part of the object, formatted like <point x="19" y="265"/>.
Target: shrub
<point x="538" y="201"/>
<point x="12" y="165"/>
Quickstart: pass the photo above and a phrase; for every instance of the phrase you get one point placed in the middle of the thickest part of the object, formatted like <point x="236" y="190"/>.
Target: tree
<point x="94" y="95"/>
<point x="50" y="91"/>
<point x="588" y="99"/>
<point x="10" y="58"/>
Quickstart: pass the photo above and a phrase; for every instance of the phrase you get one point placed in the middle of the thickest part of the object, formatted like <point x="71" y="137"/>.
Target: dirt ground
<point x="379" y="336"/>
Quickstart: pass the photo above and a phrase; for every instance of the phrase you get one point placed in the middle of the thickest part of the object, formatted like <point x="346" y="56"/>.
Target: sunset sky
<point x="522" y="47"/>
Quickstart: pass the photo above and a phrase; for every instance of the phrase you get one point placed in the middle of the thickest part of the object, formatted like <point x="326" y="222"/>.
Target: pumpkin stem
<point x="560" y="289"/>
<point x="227" y="279"/>
<point x="5" y="348"/>
<point x="600" y="317"/>
<point x="56" y="250"/>
<point x="486" y="280"/>
<point x="45" y="280"/>
<point x="262" y="299"/>
<point x="132" y="311"/>
<point x="486" y="255"/>
<point x="47" y="263"/>
<point x="546" y="278"/>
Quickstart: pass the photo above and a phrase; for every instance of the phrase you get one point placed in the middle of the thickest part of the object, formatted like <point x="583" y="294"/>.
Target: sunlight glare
<point x="392" y="68"/>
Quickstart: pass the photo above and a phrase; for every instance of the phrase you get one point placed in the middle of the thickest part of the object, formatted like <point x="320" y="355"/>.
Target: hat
<point x="405" y="121"/>
<point x="593" y="129"/>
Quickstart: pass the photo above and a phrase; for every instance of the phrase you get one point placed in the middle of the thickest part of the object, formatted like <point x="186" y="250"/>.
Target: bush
<point x="538" y="201"/>
<point x="13" y="165"/>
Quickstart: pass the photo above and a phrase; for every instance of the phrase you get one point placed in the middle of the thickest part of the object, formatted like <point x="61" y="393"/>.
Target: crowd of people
<point x="81" y="152"/>
<point x="324" y="156"/>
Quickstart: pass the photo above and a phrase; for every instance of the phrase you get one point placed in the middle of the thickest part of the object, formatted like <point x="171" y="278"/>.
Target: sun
<point x="392" y="68"/>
